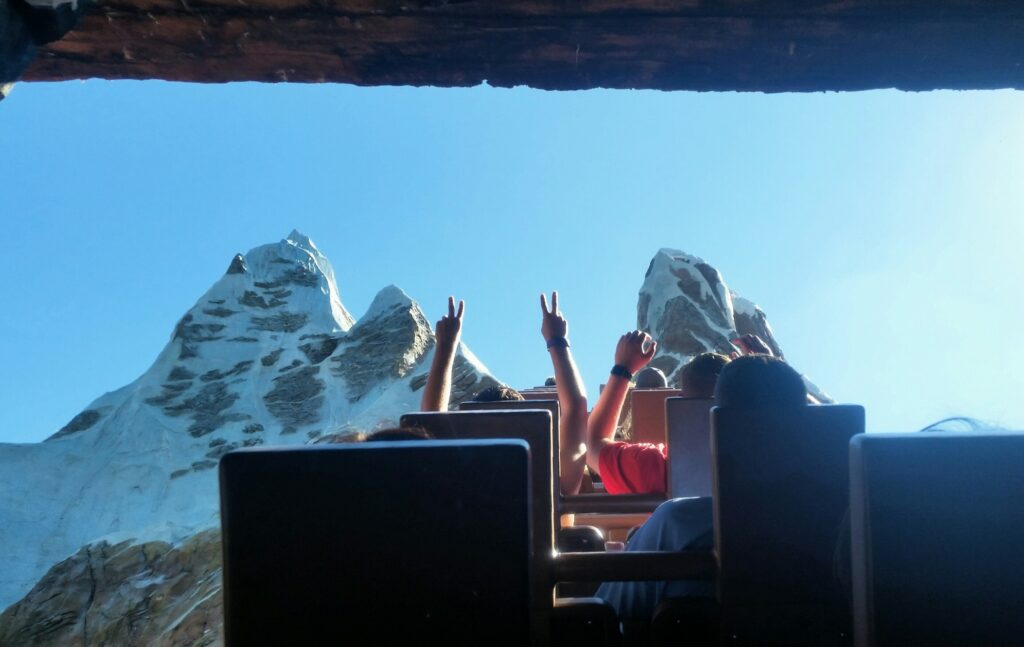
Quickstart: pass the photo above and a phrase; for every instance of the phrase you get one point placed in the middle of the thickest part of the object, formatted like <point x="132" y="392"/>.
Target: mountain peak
<point x="302" y="241"/>
<point x="388" y="299"/>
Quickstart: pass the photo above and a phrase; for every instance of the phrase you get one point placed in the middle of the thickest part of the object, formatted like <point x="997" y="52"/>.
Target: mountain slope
<point x="268" y="355"/>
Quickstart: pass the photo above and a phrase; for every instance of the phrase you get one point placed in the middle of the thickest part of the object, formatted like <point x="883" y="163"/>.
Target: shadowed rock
<point x="208" y="409"/>
<point x="318" y="351"/>
<point x="221" y="312"/>
<point x="280" y="322"/>
<point x="169" y="393"/>
<point x="253" y="300"/>
<point x="385" y="345"/>
<point x="271" y="358"/>
<point x="237" y="369"/>
<point x="131" y="595"/>
<point x="191" y="335"/>
<point x="295" y="363"/>
<point x="296" y="398"/>
<point x="81" y="422"/>
<point x="237" y="265"/>
<point x="180" y="373"/>
<point x="467" y="382"/>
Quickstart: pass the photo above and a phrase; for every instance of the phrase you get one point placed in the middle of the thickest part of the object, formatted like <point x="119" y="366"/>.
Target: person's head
<point x="651" y="378"/>
<point x="759" y="381"/>
<point x="550" y="381"/>
<point x="399" y="433"/>
<point x="698" y="377"/>
<point x="500" y="393"/>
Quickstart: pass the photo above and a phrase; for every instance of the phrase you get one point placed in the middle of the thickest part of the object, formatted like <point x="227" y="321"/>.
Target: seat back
<point x="534" y="427"/>
<point x="689" y="446"/>
<point x="781" y="494"/>
<point x="647" y="407"/>
<point x="525" y="405"/>
<point x="379" y="543"/>
<point x="937" y="525"/>
<point x="540" y="393"/>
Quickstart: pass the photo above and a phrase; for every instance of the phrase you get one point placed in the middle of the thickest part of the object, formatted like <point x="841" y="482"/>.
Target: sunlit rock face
<point x="687" y="306"/>
<point x="125" y="594"/>
<point x="269" y="355"/>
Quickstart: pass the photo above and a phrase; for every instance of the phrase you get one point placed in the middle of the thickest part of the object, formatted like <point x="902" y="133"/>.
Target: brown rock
<point x="128" y="594"/>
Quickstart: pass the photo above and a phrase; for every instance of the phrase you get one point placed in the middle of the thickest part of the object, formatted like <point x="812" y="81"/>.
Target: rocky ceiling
<point x="747" y="45"/>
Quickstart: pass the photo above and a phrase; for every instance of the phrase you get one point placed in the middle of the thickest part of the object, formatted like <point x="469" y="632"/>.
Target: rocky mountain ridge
<point x="269" y="355"/>
<point x="110" y="530"/>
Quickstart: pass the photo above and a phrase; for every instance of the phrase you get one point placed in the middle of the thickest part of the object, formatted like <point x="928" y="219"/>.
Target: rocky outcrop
<point x="686" y="305"/>
<point x="128" y="594"/>
<point x="296" y="398"/>
<point x="385" y="345"/>
<point x="141" y="461"/>
<point x="81" y="422"/>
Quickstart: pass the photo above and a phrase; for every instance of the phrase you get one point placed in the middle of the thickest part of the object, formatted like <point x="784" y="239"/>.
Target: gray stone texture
<point x="208" y="409"/>
<point x="191" y="335"/>
<point x="280" y="322"/>
<point x="386" y="348"/>
<point x="296" y="398"/>
<point x="152" y="594"/>
<point x="81" y="422"/>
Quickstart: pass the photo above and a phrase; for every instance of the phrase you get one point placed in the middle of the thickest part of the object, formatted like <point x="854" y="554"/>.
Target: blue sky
<point x="880" y="230"/>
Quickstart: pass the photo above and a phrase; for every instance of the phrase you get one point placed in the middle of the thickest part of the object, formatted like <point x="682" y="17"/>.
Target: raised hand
<point x="552" y="325"/>
<point x="634" y="350"/>
<point x="448" y="329"/>
<point x="438" y="389"/>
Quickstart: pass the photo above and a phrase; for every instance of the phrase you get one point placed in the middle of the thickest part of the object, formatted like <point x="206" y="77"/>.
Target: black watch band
<point x="621" y="371"/>
<point x="559" y="342"/>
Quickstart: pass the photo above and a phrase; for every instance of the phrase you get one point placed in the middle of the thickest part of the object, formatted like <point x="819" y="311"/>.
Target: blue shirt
<point x="677" y="524"/>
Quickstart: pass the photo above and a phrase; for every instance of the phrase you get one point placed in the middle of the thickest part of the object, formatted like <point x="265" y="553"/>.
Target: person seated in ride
<point x="572" y="398"/>
<point x="499" y="393"/>
<point x="638" y="468"/>
<point x="749" y="382"/>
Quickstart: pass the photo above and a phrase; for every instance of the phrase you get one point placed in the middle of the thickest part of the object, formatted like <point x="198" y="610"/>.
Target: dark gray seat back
<point x="534" y="427"/>
<point x="525" y="405"/>
<point x="689" y="446"/>
<point x="781" y="481"/>
<point x="938" y="538"/>
<point x="421" y="542"/>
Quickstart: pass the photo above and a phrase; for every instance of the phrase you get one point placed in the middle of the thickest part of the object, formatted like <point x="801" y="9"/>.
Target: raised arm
<point x="572" y="397"/>
<point x="633" y="352"/>
<point x="446" y="341"/>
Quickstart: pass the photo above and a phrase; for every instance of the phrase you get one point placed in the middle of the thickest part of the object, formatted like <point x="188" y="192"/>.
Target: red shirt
<point x="633" y="468"/>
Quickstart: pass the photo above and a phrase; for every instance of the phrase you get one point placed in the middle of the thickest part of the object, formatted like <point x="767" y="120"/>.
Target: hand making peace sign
<point x="553" y="325"/>
<point x="449" y="328"/>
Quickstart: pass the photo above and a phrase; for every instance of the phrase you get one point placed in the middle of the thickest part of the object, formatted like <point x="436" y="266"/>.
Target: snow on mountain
<point x="268" y="355"/>
<point x="109" y="529"/>
<point x="687" y="306"/>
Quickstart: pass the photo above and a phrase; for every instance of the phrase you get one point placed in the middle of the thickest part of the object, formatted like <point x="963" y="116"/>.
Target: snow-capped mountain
<point x="268" y="355"/>
<point x="686" y="305"/>
<point x="109" y="530"/>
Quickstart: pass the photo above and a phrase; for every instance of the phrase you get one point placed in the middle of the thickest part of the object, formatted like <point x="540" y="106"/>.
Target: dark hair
<point x="550" y="381"/>
<point x="759" y="381"/>
<point x="650" y="378"/>
<point x="500" y="393"/>
<point x="400" y="433"/>
<point x="698" y="377"/>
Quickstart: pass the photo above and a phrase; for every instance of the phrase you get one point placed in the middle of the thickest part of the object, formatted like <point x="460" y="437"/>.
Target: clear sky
<point x="880" y="231"/>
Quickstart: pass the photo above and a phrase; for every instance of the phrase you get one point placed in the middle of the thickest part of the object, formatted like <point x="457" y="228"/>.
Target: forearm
<point x="605" y="418"/>
<point x="571" y="392"/>
<point x="572" y="427"/>
<point x="438" y="389"/>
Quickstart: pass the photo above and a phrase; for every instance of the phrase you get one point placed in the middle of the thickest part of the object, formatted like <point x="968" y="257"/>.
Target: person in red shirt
<point x="638" y="468"/>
